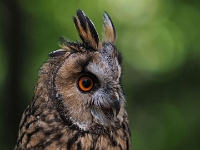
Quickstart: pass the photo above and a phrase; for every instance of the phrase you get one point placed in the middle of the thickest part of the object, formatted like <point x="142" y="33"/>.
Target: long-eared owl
<point x="78" y="102"/>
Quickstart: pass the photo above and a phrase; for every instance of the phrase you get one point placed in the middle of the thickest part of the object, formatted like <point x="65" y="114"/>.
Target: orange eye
<point x="85" y="83"/>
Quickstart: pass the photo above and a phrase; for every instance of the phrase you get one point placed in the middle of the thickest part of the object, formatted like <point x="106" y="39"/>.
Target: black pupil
<point x="86" y="83"/>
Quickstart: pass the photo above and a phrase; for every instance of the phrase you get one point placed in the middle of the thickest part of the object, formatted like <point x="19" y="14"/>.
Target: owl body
<point x="78" y="102"/>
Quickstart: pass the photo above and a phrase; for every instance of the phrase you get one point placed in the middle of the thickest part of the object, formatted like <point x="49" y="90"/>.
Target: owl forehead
<point x="105" y="65"/>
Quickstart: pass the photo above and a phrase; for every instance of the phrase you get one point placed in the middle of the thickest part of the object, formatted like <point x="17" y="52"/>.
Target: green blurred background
<point x="160" y="43"/>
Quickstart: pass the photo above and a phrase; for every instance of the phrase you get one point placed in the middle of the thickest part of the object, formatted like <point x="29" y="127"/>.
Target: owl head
<point x="86" y="76"/>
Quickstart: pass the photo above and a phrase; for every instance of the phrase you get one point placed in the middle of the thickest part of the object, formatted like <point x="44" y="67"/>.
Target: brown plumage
<point x="78" y="102"/>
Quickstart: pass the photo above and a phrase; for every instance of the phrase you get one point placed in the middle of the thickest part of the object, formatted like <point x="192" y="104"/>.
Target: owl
<point x="78" y="101"/>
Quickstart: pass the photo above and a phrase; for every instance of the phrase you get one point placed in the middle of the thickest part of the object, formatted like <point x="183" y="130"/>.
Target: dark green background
<point x="160" y="43"/>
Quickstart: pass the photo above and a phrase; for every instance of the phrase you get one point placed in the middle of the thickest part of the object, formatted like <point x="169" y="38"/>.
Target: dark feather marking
<point x="49" y="132"/>
<point x="20" y="139"/>
<point x="113" y="141"/>
<point x="82" y="19"/>
<point x="72" y="140"/>
<point x="43" y="117"/>
<point x="125" y="128"/>
<point x="76" y="24"/>
<point x="24" y="121"/>
<point x="52" y="121"/>
<point x="29" y="135"/>
<point x="79" y="146"/>
<point x="93" y="31"/>
<point x="57" y="53"/>
<point x="56" y="138"/>
<point x="127" y="144"/>
<point x="84" y="62"/>
<point x="94" y="141"/>
<point x="115" y="129"/>
<point x="119" y="58"/>
<point x="120" y="147"/>
<point x="28" y="124"/>
<point x="27" y="115"/>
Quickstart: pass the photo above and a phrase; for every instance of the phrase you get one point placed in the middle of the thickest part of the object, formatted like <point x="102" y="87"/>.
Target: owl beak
<point x="117" y="106"/>
<point x="114" y="108"/>
<point x="113" y="111"/>
<point x="106" y="107"/>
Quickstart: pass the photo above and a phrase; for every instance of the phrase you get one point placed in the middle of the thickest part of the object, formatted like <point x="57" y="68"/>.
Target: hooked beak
<point x="114" y="108"/>
<point x="106" y="106"/>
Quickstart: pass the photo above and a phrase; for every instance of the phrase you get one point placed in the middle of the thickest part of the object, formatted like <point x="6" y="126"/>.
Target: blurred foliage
<point x="160" y="42"/>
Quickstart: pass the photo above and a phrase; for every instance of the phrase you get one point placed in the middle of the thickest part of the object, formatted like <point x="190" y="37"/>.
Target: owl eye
<point x="85" y="83"/>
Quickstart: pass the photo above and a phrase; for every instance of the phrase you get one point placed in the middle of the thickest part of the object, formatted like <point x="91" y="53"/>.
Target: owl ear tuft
<point x="86" y="30"/>
<point x="109" y="29"/>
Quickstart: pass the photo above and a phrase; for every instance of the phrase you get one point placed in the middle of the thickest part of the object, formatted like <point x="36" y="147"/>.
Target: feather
<point x="86" y="30"/>
<point x="109" y="29"/>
